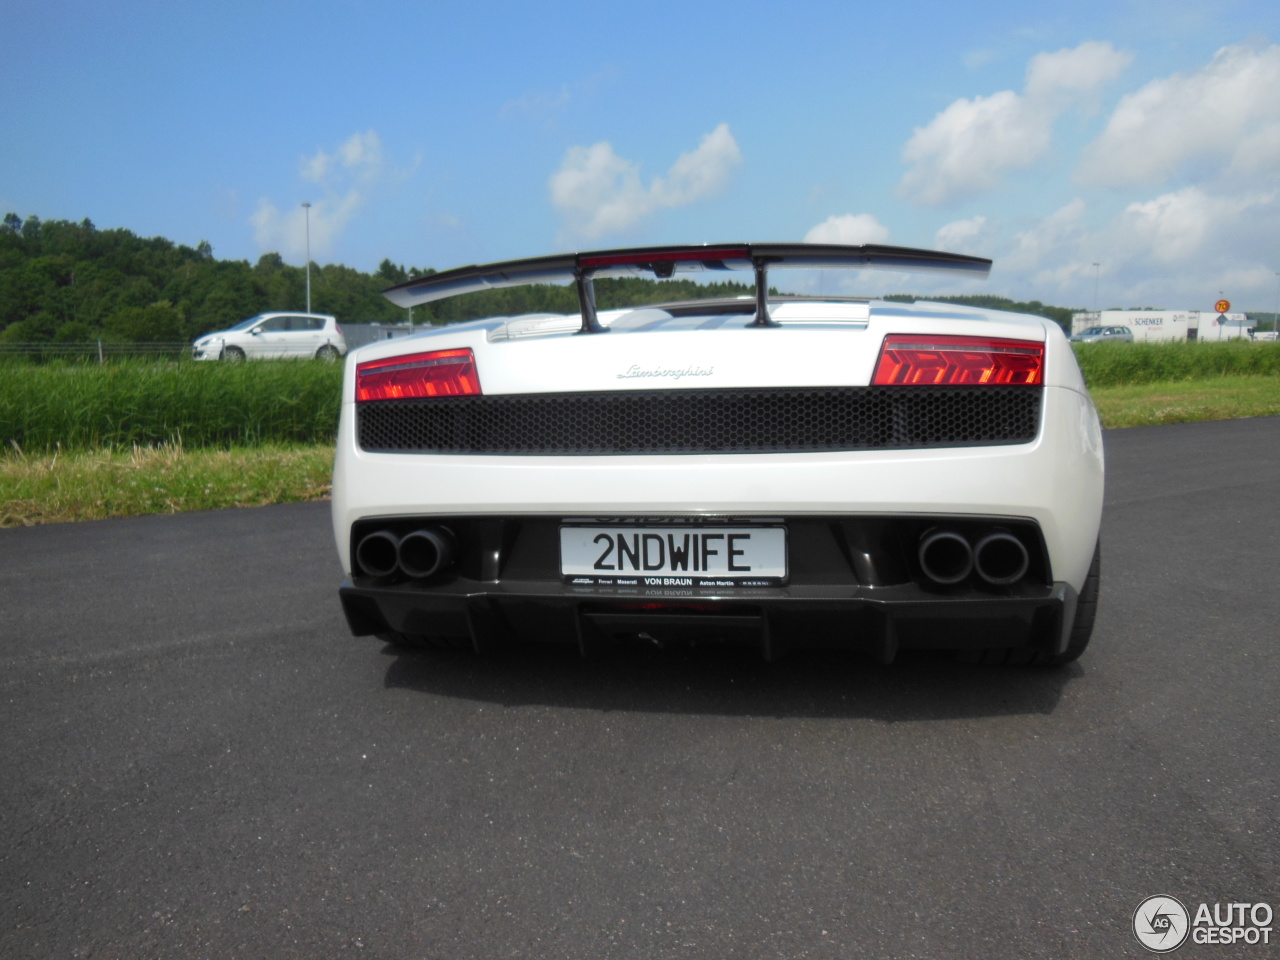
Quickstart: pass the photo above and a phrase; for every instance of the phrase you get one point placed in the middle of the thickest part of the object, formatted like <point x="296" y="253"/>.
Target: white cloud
<point x="1176" y="250"/>
<point x="977" y="59"/>
<point x="969" y="146"/>
<point x="362" y="150"/>
<point x="317" y="168"/>
<point x="962" y="236"/>
<point x="852" y="228"/>
<point x="1174" y="227"/>
<point x="599" y="192"/>
<point x="1227" y="114"/>
<point x="972" y="144"/>
<point x="360" y="154"/>
<point x="287" y="231"/>
<point x="1215" y="127"/>
<point x="1071" y="76"/>
<point x="1258" y="276"/>
<point x="700" y="172"/>
<point x="345" y="179"/>
<point x="1059" y="233"/>
<point x="1257" y="152"/>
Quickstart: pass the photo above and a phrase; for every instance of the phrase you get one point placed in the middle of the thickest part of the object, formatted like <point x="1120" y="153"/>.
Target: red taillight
<point x="441" y="373"/>
<point x="927" y="359"/>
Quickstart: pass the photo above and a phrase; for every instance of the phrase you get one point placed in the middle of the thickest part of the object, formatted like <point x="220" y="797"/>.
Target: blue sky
<point x="1141" y="136"/>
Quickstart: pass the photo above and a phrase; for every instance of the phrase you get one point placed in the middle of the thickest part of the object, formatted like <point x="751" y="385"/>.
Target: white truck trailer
<point x="1167" y="324"/>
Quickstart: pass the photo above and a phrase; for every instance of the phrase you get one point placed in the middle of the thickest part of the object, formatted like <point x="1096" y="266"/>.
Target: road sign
<point x="1222" y="306"/>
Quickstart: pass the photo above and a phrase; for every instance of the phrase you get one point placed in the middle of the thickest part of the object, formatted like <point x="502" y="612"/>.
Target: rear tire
<point x="1086" y="612"/>
<point x="1081" y="628"/>
<point x="327" y="354"/>
<point x="418" y="641"/>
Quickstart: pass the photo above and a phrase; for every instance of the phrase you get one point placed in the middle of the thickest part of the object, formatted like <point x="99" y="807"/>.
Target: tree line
<point x="70" y="282"/>
<point x="65" y="281"/>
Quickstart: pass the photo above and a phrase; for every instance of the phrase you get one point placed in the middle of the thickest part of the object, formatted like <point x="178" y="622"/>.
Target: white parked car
<point x="275" y="336"/>
<point x="1099" y="334"/>
<point x="817" y="470"/>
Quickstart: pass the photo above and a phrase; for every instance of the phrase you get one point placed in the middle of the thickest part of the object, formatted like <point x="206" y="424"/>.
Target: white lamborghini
<point x="771" y="470"/>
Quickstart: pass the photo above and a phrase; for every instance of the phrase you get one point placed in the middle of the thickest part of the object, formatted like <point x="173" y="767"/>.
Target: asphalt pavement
<point x="199" y="761"/>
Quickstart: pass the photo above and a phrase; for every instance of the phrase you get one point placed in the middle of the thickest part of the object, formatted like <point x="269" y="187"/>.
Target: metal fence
<point x="358" y="334"/>
<point x="95" y="350"/>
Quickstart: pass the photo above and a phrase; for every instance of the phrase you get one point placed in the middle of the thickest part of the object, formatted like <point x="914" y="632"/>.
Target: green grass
<point x="1123" y="364"/>
<point x="93" y="485"/>
<point x="1221" y="398"/>
<point x="115" y="406"/>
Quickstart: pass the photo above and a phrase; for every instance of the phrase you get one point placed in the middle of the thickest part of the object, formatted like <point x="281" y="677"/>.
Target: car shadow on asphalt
<point x="733" y="681"/>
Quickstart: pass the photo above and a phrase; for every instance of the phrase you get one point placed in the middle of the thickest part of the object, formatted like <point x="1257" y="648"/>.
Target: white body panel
<point x="798" y="354"/>
<point x="1055" y="480"/>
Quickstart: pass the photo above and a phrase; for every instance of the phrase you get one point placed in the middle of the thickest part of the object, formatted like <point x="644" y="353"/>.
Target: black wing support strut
<point x="762" y="319"/>
<point x="587" y="302"/>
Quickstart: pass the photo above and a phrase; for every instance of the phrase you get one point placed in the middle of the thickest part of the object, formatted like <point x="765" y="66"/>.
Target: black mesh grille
<point x="766" y="420"/>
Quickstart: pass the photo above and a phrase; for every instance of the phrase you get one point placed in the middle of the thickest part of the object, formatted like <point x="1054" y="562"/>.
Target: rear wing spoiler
<point x="665" y="262"/>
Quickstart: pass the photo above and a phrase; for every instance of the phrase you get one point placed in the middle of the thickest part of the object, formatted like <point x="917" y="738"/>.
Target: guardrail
<point x="99" y="350"/>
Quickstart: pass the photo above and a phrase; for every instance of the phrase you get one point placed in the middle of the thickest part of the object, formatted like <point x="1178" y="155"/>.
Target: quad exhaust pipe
<point x="376" y="553"/>
<point x="999" y="558"/>
<point x="945" y="556"/>
<point x="426" y="551"/>
<point x="418" y="554"/>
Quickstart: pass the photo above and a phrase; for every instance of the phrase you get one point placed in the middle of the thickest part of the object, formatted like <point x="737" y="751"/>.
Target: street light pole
<point x="1095" y="290"/>
<point x="1275" y="320"/>
<point x="306" y="206"/>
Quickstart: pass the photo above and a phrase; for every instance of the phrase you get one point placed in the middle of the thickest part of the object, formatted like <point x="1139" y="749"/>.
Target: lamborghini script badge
<point x="665" y="373"/>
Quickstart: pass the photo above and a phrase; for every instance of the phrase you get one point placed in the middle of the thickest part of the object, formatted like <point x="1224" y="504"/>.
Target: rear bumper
<point x="1055" y="481"/>
<point x="877" y="620"/>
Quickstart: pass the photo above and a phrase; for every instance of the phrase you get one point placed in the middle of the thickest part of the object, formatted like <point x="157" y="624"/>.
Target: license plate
<point x="674" y="556"/>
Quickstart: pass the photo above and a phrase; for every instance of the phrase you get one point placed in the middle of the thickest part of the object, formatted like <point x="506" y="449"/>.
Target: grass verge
<point x="1121" y="364"/>
<point x="1221" y="398"/>
<point x="94" y="485"/>
<point x="131" y="402"/>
